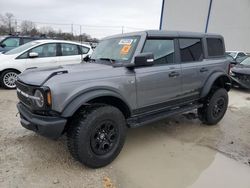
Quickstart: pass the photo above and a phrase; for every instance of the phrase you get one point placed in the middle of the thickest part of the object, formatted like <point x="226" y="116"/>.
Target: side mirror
<point x="144" y="59"/>
<point x="33" y="55"/>
<point x="3" y="45"/>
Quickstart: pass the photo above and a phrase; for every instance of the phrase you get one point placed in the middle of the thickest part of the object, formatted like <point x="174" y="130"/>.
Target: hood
<point x="241" y="69"/>
<point x="38" y="76"/>
<point x="5" y="57"/>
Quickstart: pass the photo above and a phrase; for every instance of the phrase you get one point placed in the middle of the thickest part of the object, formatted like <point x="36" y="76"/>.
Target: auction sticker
<point x="125" y="49"/>
<point x="126" y="41"/>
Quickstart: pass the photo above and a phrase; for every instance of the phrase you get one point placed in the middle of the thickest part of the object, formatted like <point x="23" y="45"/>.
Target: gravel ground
<point x="175" y="152"/>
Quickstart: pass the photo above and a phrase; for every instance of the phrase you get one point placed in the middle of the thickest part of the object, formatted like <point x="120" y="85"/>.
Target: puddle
<point x="151" y="159"/>
<point x="224" y="172"/>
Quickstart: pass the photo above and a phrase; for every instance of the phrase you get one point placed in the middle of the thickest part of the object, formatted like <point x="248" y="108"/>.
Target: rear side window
<point x="163" y="50"/>
<point x="83" y="50"/>
<point x="11" y="42"/>
<point x="191" y="50"/>
<point x="215" y="47"/>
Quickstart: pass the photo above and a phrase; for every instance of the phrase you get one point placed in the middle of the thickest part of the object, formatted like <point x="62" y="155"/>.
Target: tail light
<point x="230" y="66"/>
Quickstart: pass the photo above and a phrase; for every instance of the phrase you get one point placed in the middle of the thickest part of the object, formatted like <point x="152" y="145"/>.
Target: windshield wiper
<point x="108" y="59"/>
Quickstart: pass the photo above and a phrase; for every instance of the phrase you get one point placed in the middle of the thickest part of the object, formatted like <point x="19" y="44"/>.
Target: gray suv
<point x="130" y="80"/>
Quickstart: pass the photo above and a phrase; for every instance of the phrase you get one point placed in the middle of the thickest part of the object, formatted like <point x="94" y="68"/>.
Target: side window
<point x="26" y="40"/>
<point x="215" y="47"/>
<point x="45" y="50"/>
<point x="83" y="50"/>
<point x="191" y="50"/>
<point x="69" y="49"/>
<point x="163" y="50"/>
<point x="12" y="42"/>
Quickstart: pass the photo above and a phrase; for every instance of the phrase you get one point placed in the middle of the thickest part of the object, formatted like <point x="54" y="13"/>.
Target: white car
<point x="39" y="53"/>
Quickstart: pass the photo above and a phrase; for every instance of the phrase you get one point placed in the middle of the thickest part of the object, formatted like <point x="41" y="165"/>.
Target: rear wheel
<point x="96" y="135"/>
<point x="8" y="79"/>
<point x="214" y="107"/>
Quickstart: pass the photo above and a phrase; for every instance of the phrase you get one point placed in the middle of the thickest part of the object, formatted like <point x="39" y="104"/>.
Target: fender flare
<point x="83" y="99"/>
<point x="212" y="78"/>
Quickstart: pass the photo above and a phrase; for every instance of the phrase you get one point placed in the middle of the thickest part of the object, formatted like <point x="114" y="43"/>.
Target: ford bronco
<point x="130" y="80"/>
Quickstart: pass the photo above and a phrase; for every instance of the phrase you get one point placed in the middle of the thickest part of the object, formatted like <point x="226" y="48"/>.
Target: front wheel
<point x="214" y="107"/>
<point x="8" y="79"/>
<point x="96" y="135"/>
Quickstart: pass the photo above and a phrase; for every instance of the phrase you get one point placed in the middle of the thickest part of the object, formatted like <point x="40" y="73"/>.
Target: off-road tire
<point x="214" y="107"/>
<point x="80" y="135"/>
<point x="3" y="77"/>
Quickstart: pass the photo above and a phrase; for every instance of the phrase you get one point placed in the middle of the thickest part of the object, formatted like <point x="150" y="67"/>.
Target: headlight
<point x="39" y="98"/>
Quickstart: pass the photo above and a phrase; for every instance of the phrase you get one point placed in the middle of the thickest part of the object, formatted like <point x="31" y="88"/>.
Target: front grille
<point x="242" y="77"/>
<point x="26" y="89"/>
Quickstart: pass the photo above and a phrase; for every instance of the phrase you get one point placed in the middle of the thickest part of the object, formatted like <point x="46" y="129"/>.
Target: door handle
<point x="173" y="74"/>
<point x="203" y="69"/>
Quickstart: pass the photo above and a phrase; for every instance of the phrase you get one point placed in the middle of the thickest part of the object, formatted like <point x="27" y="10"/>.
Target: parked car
<point x="236" y="54"/>
<point x="132" y="79"/>
<point x="10" y="42"/>
<point x="236" y="61"/>
<point x="39" y="53"/>
<point x="240" y="74"/>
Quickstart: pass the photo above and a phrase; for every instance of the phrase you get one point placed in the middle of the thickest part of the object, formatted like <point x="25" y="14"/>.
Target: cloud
<point x="130" y="13"/>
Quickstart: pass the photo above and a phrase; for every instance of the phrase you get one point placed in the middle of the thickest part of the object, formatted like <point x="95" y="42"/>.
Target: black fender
<point x="212" y="79"/>
<point x="83" y="99"/>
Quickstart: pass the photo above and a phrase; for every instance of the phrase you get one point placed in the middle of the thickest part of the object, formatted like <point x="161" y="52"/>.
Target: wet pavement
<point x="179" y="152"/>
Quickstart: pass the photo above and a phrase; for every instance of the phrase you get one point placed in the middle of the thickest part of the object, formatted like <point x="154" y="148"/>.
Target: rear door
<point x="194" y="70"/>
<point x="159" y="84"/>
<point x="70" y="54"/>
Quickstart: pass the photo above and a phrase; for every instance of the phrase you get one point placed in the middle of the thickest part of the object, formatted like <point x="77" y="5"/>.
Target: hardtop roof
<point x="165" y="33"/>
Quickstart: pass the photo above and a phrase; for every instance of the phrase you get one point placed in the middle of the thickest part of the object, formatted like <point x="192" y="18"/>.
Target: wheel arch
<point x="99" y="97"/>
<point x="10" y="69"/>
<point x="218" y="79"/>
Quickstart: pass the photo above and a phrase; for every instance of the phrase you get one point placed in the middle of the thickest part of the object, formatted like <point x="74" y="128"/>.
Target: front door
<point x="159" y="84"/>
<point x="47" y="56"/>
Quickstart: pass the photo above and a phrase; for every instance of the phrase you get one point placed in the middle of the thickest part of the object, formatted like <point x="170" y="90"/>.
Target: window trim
<point x="202" y="46"/>
<point x="163" y="38"/>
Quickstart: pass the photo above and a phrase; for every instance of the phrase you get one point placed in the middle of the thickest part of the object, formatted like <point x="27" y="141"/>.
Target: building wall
<point x="228" y="17"/>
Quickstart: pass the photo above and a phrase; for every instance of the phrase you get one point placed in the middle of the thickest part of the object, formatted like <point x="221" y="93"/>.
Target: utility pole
<point x="15" y="26"/>
<point x="72" y="29"/>
<point x="208" y="15"/>
<point x="81" y="34"/>
<point x="122" y="29"/>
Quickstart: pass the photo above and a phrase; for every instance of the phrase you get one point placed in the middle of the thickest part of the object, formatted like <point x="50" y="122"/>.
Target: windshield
<point x="232" y="54"/>
<point x="246" y="61"/>
<point x="116" y="49"/>
<point x="22" y="48"/>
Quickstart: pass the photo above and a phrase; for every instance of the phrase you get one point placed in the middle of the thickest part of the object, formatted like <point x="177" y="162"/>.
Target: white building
<point x="229" y="18"/>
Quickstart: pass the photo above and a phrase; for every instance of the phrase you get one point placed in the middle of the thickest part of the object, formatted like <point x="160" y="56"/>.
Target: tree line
<point x="9" y="26"/>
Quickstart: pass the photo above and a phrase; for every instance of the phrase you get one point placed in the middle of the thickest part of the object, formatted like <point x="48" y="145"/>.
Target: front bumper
<point x="48" y="126"/>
